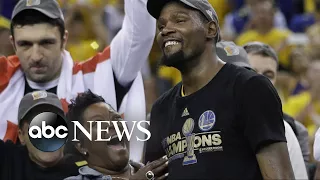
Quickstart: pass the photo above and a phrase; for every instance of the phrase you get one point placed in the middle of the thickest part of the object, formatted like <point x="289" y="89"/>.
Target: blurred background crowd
<point x="291" y="27"/>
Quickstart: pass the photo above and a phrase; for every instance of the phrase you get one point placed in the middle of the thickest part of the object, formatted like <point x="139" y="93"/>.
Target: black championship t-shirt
<point x="15" y="164"/>
<point x="216" y="132"/>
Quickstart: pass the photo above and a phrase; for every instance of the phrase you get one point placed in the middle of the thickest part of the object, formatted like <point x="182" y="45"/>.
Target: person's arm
<point x="131" y="46"/>
<point x="274" y="162"/>
<point x="261" y="111"/>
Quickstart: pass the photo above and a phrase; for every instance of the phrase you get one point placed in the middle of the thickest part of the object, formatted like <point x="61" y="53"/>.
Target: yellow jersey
<point x="274" y="38"/>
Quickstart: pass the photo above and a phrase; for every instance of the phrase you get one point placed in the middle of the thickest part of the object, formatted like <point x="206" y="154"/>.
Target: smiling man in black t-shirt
<point x="26" y="162"/>
<point x="221" y="121"/>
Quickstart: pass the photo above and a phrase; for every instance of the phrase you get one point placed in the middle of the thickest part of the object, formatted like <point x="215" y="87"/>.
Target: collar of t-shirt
<point x="43" y="86"/>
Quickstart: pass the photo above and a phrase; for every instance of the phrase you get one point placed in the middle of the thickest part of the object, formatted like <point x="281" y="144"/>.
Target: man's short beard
<point x="180" y="60"/>
<point x="174" y="60"/>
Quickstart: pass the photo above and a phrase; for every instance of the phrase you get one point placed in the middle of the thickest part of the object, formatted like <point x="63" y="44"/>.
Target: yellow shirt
<point x="274" y="38"/>
<point x="296" y="104"/>
<point x="309" y="6"/>
<point x="83" y="50"/>
<point x="171" y="74"/>
<point x="4" y="23"/>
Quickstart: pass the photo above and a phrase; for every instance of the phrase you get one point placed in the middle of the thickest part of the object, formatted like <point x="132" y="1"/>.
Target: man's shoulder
<point x="247" y="81"/>
<point x="11" y="146"/>
<point x="240" y="74"/>
<point x="12" y="151"/>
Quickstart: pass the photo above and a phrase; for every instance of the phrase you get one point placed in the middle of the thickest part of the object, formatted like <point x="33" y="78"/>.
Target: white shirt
<point x="316" y="146"/>
<point x="296" y="158"/>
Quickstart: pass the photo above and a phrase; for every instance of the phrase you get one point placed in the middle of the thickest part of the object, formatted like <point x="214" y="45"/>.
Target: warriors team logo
<point x="33" y="2"/>
<point x="207" y="120"/>
<point x="232" y="50"/>
<point x="39" y="95"/>
<point x="187" y="132"/>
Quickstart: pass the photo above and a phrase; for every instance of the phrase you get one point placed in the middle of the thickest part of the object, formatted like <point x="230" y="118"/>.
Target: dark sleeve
<point x="121" y="91"/>
<point x="154" y="148"/>
<point x="261" y="111"/>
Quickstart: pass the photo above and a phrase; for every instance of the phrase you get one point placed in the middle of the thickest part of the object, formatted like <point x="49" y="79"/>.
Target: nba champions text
<point x="176" y="144"/>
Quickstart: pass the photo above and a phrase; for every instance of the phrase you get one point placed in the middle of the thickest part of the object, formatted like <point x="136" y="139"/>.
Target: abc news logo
<point x="48" y="131"/>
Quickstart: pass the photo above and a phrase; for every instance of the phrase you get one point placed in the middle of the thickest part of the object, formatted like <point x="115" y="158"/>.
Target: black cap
<point x="40" y="101"/>
<point x="155" y="7"/>
<point x="49" y="8"/>
<point x="229" y="52"/>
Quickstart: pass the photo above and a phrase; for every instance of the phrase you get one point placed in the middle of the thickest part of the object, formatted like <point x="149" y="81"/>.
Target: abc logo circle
<point x="48" y="132"/>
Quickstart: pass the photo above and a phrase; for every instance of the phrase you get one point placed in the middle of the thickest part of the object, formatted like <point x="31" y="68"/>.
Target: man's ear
<point x="65" y="39"/>
<point x="21" y="136"/>
<point x="12" y="42"/>
<point x="212" y="30"/>
<point x="81" y="149"/>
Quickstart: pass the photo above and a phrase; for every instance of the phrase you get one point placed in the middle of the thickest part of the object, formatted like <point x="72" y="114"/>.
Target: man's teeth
<point x="170" y="43"/>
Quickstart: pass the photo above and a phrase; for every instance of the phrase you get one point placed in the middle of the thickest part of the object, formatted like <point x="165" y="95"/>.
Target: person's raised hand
<point x="154" y="170"/>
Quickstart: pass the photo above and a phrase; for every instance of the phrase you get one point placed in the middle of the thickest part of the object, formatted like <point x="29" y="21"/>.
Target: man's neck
<point x="264" y="29"/>
<point x="124" y="173"/>
<point x="196" y="76"/>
